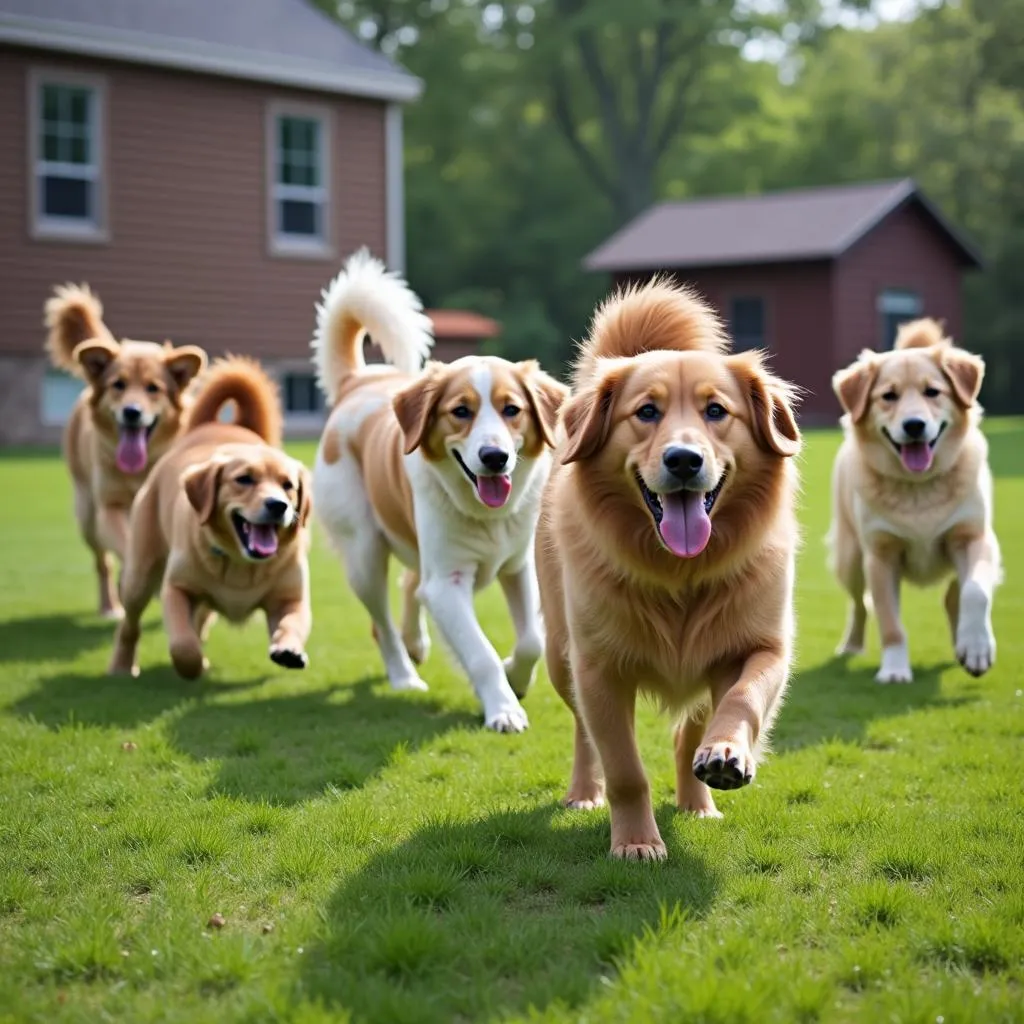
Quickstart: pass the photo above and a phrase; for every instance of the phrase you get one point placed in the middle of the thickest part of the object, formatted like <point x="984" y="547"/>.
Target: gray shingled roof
<point x="805" y="224"/>
<point x="285" y="41"/>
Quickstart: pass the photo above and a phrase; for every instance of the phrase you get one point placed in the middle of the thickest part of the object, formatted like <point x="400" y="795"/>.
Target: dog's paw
<point x="724" y="765"/>
<point x="114" y="614"/>
<point x="976" y="648"/>
<point x="120" y="668"/>
<point x="849" y="649"/>
<point x="188" y="660"/>
<point x="408" y="682"/>
<point x="519" y="675"/>
<point x="895" y="666"/>
<point x="652" y="849"/>
<point x="508" y="719"/>
<point x="584" y="798"/>
<point x="699" y="805"/>
<point x="418" y="647"/>
<point x="286" y="657"/>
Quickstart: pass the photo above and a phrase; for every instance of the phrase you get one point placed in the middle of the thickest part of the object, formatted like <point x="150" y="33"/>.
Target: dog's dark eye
<point x="287" y="485"/>
<point x="510" y="411"/>
<point x="245" y="479"/>
<point x="890" y="396"/>
<point x="931" y="392"/>
<point x="153" y="389"/>
<point x="648" y="413"/>
<point x="715" y="411"/>
<point x="119" y="385"/>
<point x="462" y="412"/>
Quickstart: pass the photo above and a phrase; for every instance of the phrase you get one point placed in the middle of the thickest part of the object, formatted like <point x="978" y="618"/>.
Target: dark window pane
<point x="51" y="145"/>
<point x="79" y="150"/>
<point x="298" y="217"/>
<point x="66" y="197"/>
<point x="301" y="393"/>
<point x="78" y="106"/>
<point x="51" y="102"/>
<point x="746" y="323"/>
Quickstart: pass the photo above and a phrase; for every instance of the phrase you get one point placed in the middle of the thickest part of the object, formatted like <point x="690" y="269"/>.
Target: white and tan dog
<point x="912" y="495"/>
<point x="443" y="468"/>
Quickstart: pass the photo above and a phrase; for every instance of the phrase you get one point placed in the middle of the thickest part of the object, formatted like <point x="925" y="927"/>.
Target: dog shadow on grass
<point x="834" y="701"/>
<point x="486" y="918"/>
<point x="288" y="747"/>
<point x="54" y="637"/>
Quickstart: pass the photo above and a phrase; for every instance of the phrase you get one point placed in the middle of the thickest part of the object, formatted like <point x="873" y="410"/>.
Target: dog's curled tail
<point x="923" y="333"/>
<point x="659" y="315"/>
<point x="73" y="314"/>
<point x="366" y="298"/>
<point x="244" y="382"/>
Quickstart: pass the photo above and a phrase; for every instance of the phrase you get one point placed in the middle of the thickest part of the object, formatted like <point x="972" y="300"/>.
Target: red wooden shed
<point x="812" y="275"/>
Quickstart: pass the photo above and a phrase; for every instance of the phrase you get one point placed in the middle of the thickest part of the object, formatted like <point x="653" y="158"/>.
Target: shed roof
<point x="289" y="42"/>
<point x="462" y="323"/>
<point x="803" y="224"/>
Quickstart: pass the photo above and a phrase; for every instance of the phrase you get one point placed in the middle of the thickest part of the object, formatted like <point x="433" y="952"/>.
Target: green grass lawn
<point x="380" y="857"/>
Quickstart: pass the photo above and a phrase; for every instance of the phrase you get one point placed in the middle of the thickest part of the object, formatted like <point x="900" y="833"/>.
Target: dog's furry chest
<point x="232" y="590"/>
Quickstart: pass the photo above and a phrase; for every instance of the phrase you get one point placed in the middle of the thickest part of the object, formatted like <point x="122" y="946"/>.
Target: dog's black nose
<point x="683" y="462"/>
<point x="914" y="428"/>
<point x="276" y="507"/>
<point x="493" y="458"/>
<point x="131" y="415"/>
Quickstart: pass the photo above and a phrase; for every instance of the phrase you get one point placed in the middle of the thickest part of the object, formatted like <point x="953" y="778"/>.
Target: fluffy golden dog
<point x="442" y="468"/>
<point x="912" y="495"/>
<point x="221" y="526"/>
<point x="665" y="555"/>
<point x="125" y="419"/>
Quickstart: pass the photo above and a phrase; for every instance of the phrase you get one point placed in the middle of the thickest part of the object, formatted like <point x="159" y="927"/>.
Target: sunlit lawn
<point x="379" y="855"/>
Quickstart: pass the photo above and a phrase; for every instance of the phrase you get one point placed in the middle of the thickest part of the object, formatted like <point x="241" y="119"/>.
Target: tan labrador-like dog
<point x="128" y="415"/>
<point x="912" y="495"/>
<point x="221" y="527"/>
<point x="665" y="554"/>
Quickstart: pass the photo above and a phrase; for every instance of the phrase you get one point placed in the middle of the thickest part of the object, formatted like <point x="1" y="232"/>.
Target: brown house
<point x="813" y="275"/>
<point x="205" y="165"/>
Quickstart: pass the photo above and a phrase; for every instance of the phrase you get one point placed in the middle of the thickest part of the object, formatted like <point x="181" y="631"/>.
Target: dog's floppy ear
<point x="965" y="372"/>
<point x="185" y="363"/>
<point x="771" y="405"/>
<point x="415" y="405"/>
<point x="587" y="416"/>
<point x="545" y="395"/>
<point x="853" y="386"/>
<point x="201" y="484"/>
<point x="95" y="356"/>
<point x="304" y="502"/>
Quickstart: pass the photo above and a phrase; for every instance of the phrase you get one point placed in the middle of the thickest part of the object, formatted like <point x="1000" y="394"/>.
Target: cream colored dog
<point x="912" y="495"/>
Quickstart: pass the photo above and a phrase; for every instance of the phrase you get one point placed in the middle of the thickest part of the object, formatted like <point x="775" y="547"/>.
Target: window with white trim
<point x="747" y="322"/>
<point x="896" y="306"/>
<point x="299" y="197"/>
<point x="58" y="397"/>
<point x="67" y="157"/>
<point x="302" y="394"/>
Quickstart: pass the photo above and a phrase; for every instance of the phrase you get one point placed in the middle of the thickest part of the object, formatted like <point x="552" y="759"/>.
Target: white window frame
<point x="905" y="303"/>
<point x="69" y="229"/>
<point x="300" y="246"/>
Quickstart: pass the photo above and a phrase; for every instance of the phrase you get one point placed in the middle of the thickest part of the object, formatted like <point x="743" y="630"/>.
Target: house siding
<point x="187" y="257"/>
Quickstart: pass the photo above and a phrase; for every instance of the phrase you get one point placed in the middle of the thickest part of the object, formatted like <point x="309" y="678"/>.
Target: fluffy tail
<point x="366" y="298"/>
<point x="921" y="334"/>
<point x="242" y="381"/>
<point x="73" y="314"/>
<point x="656" y="316"/>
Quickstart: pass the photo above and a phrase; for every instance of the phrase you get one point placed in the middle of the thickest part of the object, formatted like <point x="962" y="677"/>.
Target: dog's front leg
<point x="745" y="708"/>
<point x="882" y="564"/>
<point x="112" y="528"/>
<point x="184" y="643"/>
<point x="523" y="597"/>
<point x="448" y="596"/>
<point x="977" y="560"/>
<point x="289" y="622"/>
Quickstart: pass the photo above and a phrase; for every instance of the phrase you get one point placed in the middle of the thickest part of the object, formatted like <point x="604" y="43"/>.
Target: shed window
<point x="59" y="394"/>
<point x="302" y="394"/>
<point x="299" y="183"/>
<point x="895" y="307"/>
<point x="66" y="149"/>
<point x="747" y="322"/>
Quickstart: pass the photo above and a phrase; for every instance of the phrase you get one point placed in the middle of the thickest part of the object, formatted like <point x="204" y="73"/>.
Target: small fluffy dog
<point x="665" y="554"/>
<point x="442" y="468"/>
<point x="220" y="526"/>
<point x="912" y="494"/>
<point x="124" y="420"/>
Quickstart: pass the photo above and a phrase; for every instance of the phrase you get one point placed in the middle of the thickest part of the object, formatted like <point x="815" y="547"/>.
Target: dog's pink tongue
<point x="493" y="490"/>
<point x="917" y="457"/>
<point x="132" y="455"/>
<point x="263" y="539"/>
<point x="685" y="527"/>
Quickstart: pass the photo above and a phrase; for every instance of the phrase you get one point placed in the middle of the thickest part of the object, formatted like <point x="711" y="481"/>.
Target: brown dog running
<point x="912" y="495"/>
<point x="128" y="415"/>
<point x="665" y="555"/>
<point x="221" y="526"/>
